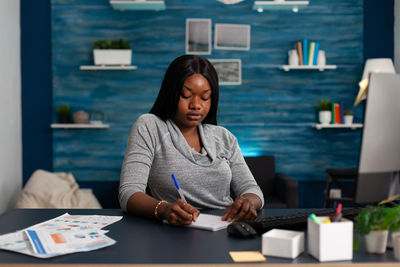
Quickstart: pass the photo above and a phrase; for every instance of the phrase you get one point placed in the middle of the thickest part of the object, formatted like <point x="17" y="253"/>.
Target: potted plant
<point x="324" y="108"/>
<point x="63" y="113"/>
<point x="107" y="52"/>
<point x="348" y="115"/>
<point x="375" y="223"/>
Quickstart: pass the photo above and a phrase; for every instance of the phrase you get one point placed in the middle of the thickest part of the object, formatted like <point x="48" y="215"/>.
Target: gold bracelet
<point x="156" y="209"/>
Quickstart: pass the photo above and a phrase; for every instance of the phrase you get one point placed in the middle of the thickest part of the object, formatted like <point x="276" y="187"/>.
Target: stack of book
<point x="337" y="113"/>
<point x="307" y="52"/>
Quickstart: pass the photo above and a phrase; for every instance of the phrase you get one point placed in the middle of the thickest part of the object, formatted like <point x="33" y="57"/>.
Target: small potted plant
<point x="348" y="115"/>
<point x="324" y="108"/>
<point x="63" y="113"/>
<point x="107" y="52"/>
<point x="375" y="223"/>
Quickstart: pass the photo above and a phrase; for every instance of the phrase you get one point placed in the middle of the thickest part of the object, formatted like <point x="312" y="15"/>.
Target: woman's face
<point x="194" y="102"/>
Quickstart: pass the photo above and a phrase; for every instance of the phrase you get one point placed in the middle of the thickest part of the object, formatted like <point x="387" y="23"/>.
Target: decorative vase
<point x="293" y="58"/>
<point x="325" y="116"/>
<point x="376" y="241"/>
<point x="97" y="117"/>
<point x="321" y="58"/>
<point x="348" y="119"/>
<point x="80" y="117"/>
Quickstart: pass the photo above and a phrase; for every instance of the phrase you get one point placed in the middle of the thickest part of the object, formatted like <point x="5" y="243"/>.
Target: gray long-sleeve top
<point x="157" y="148"/>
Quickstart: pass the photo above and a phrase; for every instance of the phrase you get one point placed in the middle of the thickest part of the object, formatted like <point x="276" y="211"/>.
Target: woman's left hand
<point x="242" y="209"/>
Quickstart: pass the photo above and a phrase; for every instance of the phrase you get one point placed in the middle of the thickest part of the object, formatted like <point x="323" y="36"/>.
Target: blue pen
<point x="178" y="187"/>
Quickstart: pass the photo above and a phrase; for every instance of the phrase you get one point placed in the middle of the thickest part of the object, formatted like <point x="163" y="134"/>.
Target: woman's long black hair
<point x="178" y="71"/>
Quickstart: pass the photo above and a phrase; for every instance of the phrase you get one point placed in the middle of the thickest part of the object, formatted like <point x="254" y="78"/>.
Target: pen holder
<point x="330" y="241"/>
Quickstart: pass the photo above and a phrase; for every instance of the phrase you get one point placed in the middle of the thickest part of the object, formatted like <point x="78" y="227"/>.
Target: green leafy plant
<point x="108" y="44"/>
<point x="63" y="109"/>
<point x="376" y="218"/>
<point x="63" y="113"/>
<point x="348" y="112"/>
<point x="324" y="105"/>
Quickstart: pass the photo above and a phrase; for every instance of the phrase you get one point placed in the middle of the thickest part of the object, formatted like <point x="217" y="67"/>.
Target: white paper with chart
<point x="61" y="235"/>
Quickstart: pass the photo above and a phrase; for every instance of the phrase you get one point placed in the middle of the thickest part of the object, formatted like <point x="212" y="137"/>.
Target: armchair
<point x="280" y="191"/>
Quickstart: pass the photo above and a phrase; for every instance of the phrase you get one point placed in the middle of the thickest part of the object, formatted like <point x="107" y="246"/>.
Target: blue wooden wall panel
<point x="270" y="113"/>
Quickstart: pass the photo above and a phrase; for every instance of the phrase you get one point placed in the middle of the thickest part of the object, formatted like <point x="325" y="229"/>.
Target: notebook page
<point x="209" y="222"/>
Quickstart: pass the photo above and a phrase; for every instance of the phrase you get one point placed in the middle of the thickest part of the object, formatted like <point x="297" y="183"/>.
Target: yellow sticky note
<point x="247" y="256"/>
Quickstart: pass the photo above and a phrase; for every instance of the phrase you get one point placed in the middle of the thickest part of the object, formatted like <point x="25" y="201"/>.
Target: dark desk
<point x="144" y="241"/>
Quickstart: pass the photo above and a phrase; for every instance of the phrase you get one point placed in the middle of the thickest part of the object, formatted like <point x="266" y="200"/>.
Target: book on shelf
<point x="311" y="47"/>
<point x="299" y="49"/>
<point x="337" y="116"/>
<point x="316" y="49"/>
<point x="337" y="113"/>
<point x="341" y="112"/>
<point x="307" y="52"/>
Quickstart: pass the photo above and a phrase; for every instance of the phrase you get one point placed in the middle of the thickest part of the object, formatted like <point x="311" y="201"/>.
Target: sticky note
<point x="247" y="256"/>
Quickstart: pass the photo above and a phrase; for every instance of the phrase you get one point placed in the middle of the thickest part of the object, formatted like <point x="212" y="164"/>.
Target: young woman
<point x="181" y="136"/>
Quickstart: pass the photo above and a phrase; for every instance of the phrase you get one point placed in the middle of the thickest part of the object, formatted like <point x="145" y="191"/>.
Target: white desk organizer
<point x="282" y="243"/>
<point x="330" y="241"/>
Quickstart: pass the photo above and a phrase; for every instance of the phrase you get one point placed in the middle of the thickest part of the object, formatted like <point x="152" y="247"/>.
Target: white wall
<point x="397" y="35"/>
<point x="10" y="104"/>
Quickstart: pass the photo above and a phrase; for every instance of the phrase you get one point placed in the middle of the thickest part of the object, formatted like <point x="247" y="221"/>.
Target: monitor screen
<point x="379" y="165"/>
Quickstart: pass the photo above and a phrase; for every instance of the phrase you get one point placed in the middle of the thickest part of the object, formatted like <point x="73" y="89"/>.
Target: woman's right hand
<point x="179" y="213"/>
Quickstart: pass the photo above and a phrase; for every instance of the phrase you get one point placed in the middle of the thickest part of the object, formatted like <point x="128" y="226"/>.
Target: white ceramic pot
<point x="396" y="245"/>
<point x="390" y="243"/>
<point x="293" y="58"/>
<point x="325" y="116"/>
<point x="348" y="119"/>
<point x="112" y="56"/>
<point x="376" y="241"/>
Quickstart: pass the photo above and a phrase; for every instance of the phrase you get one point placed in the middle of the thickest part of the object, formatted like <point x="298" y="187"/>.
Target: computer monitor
<point x="379" y="164"/>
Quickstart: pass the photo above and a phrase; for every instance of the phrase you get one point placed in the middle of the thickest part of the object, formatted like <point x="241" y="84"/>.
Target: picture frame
<point x="198" y="36"/>
<point x="229" y="71"/>
<point x="232" y="36"/>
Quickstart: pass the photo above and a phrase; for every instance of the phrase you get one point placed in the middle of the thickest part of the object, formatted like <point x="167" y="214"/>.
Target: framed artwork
<point x="232" y="36"/>
<point x="229" y="71"/>
<point x="198" y="36"/>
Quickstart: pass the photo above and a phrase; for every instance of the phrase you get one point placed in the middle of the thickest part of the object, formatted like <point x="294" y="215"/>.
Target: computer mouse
<point x="241" y="229"/>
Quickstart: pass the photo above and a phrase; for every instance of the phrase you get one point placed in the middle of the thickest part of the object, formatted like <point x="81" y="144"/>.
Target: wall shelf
<point x="138" y="5"/>
<point x="353" y="126"/>
<point x="79" y="126"/>
<point x="306" y="67"/>
<point x="107" y="67"/>
<point x="260" y="6"/>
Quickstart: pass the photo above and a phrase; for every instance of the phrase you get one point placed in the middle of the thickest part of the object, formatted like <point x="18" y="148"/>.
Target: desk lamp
<point x="384" y="65"/>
